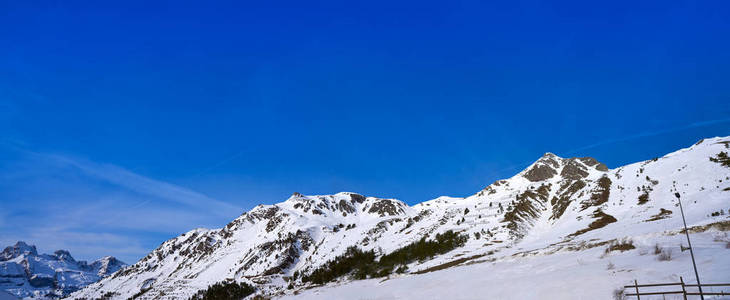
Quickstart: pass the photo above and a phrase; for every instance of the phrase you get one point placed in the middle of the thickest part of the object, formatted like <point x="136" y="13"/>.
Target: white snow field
<point x="563" y="275"/>
<point x="542" y="234"/>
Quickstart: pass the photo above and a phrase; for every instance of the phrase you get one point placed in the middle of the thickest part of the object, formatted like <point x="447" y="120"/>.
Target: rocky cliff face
<point x="553" y="205"/>
<point x="25" y="273"/>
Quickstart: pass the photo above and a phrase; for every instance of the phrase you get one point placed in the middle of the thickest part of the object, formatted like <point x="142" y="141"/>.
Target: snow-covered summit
<point x="344" y="204"/>
<point x="25" y="273"/>
<point x="550" y="165"/>
<point x="20" y="248"/>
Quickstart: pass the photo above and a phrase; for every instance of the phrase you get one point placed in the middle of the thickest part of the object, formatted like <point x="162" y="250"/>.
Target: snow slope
<point x="562" y="275"/>
<point x="548" y="226"/>
<point x="25" y="273"/>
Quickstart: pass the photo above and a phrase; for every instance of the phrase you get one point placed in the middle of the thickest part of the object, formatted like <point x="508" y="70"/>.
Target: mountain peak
<point x="26" y="274"/>
<point x="544" y="168"/>
<point x="343" y="203"/>
<point x="107" y="265"/>
<point x="24" y="246"/>
<point x="550" y="165"/>
<point x="550" y="155"/>
<point x="20" y="248"/>
<point x="64" y="255"/>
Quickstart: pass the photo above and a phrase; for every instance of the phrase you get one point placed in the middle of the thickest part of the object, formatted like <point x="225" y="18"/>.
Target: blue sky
<point x="125" y="124"/>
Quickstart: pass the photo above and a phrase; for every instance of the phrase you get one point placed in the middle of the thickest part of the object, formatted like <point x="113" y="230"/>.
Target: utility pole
<point x="691" y="251"/>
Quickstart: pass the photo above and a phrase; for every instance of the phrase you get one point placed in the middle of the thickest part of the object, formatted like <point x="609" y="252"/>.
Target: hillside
<point x="553" y="224"/>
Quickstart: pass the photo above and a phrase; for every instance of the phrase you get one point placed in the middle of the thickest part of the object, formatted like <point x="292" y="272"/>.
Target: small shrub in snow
<point x="622" y="245"/>
<point x="718" y="238"/>
<point x="721" y="158"/>
<point x="140" y="293"/>
<point x="657" y="249"/>
<point x="109" y="295"/>
<point x="666" y="255"/>
<point x="618" y="294"/>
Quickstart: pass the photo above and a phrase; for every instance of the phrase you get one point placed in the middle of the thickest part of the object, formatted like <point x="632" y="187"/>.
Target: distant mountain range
<point x="574" y="208"/>
<point x="25" y="273"/>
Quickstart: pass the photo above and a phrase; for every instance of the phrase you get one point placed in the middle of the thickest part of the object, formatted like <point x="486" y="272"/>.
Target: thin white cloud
<point x="141" y="184"/>
<point x="94" y="209"/>
<point x="650" y="133"/>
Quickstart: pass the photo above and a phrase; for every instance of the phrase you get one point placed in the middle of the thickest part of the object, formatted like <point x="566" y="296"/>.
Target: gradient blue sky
<point x="125" y="124"/>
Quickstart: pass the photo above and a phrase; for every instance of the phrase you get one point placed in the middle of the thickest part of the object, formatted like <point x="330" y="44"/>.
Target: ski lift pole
<point x="691" y="250"/>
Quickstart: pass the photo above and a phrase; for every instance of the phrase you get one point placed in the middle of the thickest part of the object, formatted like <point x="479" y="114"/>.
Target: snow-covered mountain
<point x="556" y="207"/>
<point x="25" y="273"/>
